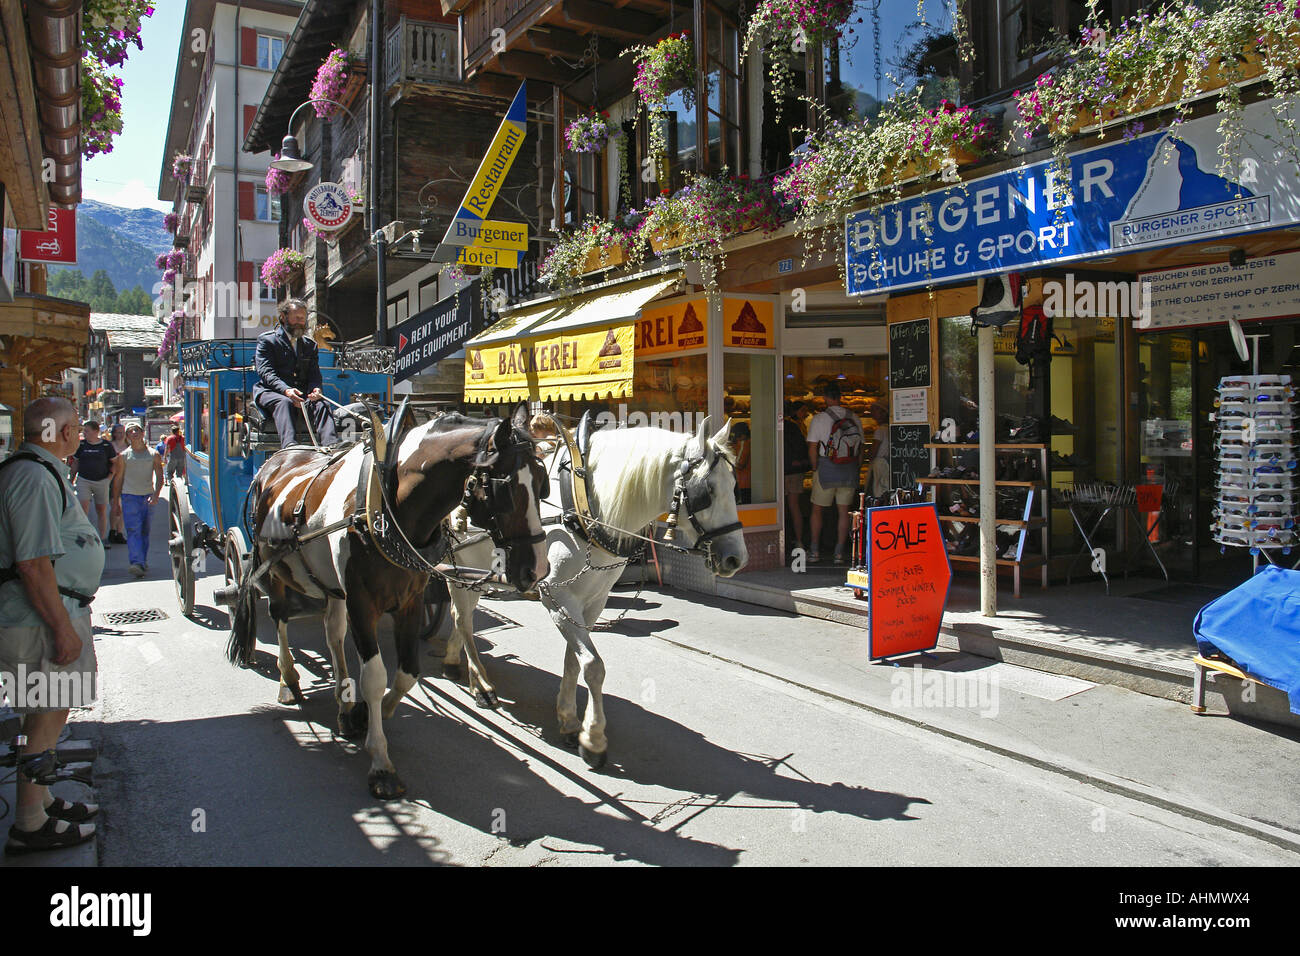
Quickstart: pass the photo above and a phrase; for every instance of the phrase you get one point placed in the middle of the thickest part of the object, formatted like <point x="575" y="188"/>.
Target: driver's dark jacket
<point x="280" y="368"/>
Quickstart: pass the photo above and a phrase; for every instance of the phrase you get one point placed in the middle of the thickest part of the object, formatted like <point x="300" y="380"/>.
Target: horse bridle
<point x="495" y="499"/>
<point x="695" y="495"/>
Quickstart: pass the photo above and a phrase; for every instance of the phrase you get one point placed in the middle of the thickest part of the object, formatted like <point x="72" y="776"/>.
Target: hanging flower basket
<point x="278" y="182"/>
<point x="171" y="221"/>
<point x="589" y="133"/>
<point x="282" y="267"/>
<point x="339" y="78"/>
<point x="182" y="165"/>
<point x="661" y="70"/>
<point x="786" y="30"/>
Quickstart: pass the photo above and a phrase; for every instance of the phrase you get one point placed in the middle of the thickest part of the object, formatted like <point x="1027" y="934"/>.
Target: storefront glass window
<point x="862" y="380"/>
<point x="749" y="400"/>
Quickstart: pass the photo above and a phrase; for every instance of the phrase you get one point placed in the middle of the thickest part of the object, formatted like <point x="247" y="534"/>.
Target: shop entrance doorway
<point x="1179" y="373"/>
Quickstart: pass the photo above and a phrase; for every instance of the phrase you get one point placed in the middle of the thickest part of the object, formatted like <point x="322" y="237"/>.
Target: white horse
<point x="634" y="475"/>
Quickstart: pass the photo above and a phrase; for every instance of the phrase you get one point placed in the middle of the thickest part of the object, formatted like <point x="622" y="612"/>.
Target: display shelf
<point x="997" y="447"/>
<point x="975" y="481"/>
<point x="1018" y="522"/>
<point x="1033" y="519"/>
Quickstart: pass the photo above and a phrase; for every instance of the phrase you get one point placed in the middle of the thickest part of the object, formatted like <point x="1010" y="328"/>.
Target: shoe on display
<point x="1061" y="426"/>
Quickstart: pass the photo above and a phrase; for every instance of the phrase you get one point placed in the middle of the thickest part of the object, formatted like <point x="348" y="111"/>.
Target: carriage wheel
<point x="236" y="557"/>
<point x="181" y="546"/>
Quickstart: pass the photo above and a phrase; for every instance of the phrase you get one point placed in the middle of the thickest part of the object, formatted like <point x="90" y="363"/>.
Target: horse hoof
<point x="486" y="700"/>
<point x="290" y="694"/>
<point x="451" y="671"/>
<point x="593" y="760"/>
<point x="386" y="785"/>
<point x="354" y="723"/>
<point x="570" y="740"/>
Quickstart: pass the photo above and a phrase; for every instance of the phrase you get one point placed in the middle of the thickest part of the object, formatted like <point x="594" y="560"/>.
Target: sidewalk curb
<point x="1277" y="836"/>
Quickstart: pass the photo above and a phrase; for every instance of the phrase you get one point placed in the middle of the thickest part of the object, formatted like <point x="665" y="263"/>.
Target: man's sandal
<point x="62" y="809"/>
<point x="48" y="837"/>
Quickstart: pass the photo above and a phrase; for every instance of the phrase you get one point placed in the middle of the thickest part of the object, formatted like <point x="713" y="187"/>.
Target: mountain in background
<point x="122" y="242"/>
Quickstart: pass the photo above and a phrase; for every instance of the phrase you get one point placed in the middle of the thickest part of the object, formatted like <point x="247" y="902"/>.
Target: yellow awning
<point x="574" y="350"/>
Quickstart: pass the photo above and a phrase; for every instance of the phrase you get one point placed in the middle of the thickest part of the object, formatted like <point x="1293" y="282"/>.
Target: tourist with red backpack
<point x="835" y="445"/>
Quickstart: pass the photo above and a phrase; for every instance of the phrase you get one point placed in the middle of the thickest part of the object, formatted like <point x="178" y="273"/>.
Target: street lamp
<point x="291" y="160"/>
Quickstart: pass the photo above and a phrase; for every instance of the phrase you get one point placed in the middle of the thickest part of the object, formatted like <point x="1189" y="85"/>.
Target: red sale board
<point x="58" y="243"/>
<point x="908" y="574"/>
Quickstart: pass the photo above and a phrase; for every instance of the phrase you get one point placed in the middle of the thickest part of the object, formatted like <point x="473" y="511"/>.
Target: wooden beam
<point x="607" y="21"/>
<point x="535" y="67"/>
<point x="572" y="46"/>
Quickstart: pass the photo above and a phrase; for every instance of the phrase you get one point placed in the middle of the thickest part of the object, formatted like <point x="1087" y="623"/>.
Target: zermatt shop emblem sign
<point x="328" y="206"/>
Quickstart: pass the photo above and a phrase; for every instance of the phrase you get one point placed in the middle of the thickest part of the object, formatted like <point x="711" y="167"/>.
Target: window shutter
<point x="249" y="113"/>
<point x="247" y="203"/>
<point x="247" y="46"/>
<point x="246" y="291"/>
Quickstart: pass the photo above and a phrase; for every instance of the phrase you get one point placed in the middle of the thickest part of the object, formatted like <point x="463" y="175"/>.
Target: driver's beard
<point x="296" y="334"/>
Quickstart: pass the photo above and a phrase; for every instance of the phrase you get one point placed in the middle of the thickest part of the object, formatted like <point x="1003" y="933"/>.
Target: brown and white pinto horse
<point x="356" y="582"/>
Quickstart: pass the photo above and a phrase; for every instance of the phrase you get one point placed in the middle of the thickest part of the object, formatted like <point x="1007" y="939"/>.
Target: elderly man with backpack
<point x="835" y="445"/>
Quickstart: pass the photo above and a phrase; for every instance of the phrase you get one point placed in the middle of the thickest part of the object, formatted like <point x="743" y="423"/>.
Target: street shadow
<point x="455" y="765"/>
<point x="653" y="750"/>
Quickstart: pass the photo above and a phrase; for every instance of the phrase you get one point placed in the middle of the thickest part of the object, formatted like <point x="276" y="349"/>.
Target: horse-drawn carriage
<point x="227" y="439"/>
<point x="363" y="529"/>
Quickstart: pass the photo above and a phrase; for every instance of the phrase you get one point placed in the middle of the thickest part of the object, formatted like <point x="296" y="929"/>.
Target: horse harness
<point x="580" y="518"/>
<point x="376" y="516"/>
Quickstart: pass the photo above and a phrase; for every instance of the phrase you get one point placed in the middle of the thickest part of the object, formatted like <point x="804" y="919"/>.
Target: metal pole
<point x="988" y="478"/>
<point x="376" y="180"/>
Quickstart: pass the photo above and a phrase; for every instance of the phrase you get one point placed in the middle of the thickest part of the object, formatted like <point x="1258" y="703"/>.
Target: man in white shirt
<point x="835" y="445"/>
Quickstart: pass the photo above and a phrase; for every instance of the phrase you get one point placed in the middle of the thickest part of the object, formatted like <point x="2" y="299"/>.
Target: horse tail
<point x="243" y="634"/>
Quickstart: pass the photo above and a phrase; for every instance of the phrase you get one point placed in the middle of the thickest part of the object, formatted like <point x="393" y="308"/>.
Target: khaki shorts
<point x="794" y="484"/>
<point x="31" y="680"/>
<point x="96" y="491"/>
<point x="821" y="497"/>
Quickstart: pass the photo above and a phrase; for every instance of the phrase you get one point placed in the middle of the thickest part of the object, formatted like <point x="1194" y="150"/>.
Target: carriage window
<point x="236" y="426"/>
<point x="196" y="421"/>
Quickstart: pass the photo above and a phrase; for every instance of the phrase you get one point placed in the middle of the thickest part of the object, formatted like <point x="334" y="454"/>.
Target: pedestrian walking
<point x="94" y="467"/>
<point x="51" y="559"/>
<point x="835" y="444"/>
<point x="797" y="466"/>
<point x="879" y="479"/>
<point x="142" y="483"/>
<point x="175" y="444"/>
<point x="116" y="530"/>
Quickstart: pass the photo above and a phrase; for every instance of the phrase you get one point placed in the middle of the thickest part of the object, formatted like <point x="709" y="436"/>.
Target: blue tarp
<point x="1257" y="625"/>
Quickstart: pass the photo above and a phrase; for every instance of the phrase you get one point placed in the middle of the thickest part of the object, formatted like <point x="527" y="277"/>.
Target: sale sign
<point x="908" y="575"/>
<point x="58" y="243"/>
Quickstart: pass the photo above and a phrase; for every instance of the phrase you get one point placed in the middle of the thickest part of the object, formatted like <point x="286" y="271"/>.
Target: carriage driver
<point x="288" y="369"/>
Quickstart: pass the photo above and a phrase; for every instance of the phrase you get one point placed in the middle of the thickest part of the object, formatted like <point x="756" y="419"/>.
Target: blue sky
<point x="128" y="176"/>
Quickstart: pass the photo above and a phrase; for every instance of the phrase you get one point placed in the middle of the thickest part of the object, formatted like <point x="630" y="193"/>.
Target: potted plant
<point x="340" y="78"/>
<point x="589" y="133"/>
<point x="662" y="69"/>
<point x="171" y="221"/>
<point x="594" y="245"/>
<point x="785" y="29"/>
<point x="182" y="165"/>
<point x="278" y="182"/>
<point x="1167" y="59"/>
<point x="281" y="267"/>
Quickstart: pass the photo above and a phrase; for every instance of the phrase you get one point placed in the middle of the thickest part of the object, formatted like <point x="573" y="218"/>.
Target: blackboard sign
<point x="909" y="354"/>
<point x="909" y="459"/>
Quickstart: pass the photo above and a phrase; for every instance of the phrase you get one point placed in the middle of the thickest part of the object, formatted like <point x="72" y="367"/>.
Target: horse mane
<point x="629" y="469"/>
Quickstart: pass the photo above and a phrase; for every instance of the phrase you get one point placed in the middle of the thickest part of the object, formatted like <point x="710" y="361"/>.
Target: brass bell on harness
<point x="670" y="534"/>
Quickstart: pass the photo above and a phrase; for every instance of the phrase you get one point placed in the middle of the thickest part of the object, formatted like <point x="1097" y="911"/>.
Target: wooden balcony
<point x="419" y="52"/>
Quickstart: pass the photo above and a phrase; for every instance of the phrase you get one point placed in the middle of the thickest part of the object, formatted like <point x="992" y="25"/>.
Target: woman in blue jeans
<point x="142" y="483"/>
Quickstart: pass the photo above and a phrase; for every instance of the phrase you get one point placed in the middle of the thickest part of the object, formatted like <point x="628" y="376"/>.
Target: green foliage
<point x="99" y="292"/>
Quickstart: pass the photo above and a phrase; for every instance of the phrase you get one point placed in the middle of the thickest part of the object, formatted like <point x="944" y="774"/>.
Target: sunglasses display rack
<point x="1255" y="421"/>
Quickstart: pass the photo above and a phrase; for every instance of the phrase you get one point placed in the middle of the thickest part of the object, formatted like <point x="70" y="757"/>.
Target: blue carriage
<point x="227" y="439"/>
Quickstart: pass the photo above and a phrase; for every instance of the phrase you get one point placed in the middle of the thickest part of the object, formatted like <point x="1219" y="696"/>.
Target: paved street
<point x="711" y="762"/>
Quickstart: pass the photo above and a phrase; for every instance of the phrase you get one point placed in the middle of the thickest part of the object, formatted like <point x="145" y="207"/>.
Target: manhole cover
<point x="138" y="616"/>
